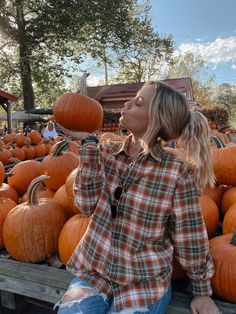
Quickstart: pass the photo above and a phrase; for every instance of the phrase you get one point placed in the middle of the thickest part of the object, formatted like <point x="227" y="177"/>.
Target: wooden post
<point x="83" y="84"/>
<point x="9" y="118"/>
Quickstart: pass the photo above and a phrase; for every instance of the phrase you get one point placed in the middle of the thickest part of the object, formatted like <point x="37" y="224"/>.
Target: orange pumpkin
<point x="222" y="136"/>
<point x="11" y="137"/>
<point x="78" y="112"/>
<point x="22" y="174"/>
<point x="5" y="156"/>
<point x="6" y="204"/>
<point x="35" y="137"/>
<point x="69" y="185"/>
<point x="228" y="199"/>
<point x="31" y="229"/>
<point x="229" y="221"/>
<point x="70" y="236"/>
<point x="224" y="162"/>
<point x="41" y="192"/>
<point x="73" y="147"/>
<point x="62" y="197"/>
<point x="8" y="191"/>
<point x="2" y="173"/>
<point x="29" y="151"/>
<point x="20" y="139"/>
<point x="59" y="165"/>
<point x="223" y="252"/>
<point x="40" y="150"/>
<point x="210" y="214"/>
<point x="215" y="193"/>
<point x="17" y="152"/>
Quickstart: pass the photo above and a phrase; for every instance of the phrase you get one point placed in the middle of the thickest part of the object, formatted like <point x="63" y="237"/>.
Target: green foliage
<point x="111" y="116"/>
<point x="216" y="113"/>
<point x="226" y="96"/>
<point x="188" y="65"/>
<point x="143" y="58"/>
<point x="52" y="36"/>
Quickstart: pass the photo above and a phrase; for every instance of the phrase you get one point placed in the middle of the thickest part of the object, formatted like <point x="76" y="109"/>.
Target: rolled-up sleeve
<point x="189" y="236"/>
<point x="89" y="179"/>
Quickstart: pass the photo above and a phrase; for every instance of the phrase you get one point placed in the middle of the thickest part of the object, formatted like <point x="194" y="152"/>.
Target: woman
<point x="50" y="131"/>
<point x="144" y="206"/>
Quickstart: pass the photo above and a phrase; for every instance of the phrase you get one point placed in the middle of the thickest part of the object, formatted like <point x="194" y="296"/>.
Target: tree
<point x="143" y="56"/>
<point x="226" y="95"/>
<point x="187" y="65"/>
<point x="45" y="35"/>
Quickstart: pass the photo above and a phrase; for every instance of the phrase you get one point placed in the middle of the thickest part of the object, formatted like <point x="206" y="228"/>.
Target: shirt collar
<point x="155" y="151"/>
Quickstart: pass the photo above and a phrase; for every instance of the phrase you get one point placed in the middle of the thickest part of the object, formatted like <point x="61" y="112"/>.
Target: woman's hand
<point x="204" y="305"/>
<point x="74" y="134"/>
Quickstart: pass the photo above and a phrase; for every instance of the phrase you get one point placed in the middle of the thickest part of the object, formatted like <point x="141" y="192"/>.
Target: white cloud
<point x="218" y="51"/>
<point x="233" y="66"/>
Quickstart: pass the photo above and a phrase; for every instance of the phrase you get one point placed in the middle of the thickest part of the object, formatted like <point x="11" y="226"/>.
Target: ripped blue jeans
<point x="94" y="302"/>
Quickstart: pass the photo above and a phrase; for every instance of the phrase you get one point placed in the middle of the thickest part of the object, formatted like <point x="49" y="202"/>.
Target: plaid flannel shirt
<point x="130" y="257"/>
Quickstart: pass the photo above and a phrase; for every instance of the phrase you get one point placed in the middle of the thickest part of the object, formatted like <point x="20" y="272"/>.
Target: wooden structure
<point x="48" y="284"/>
<point x="113" y="97"/>
<point x="5" y="102"/>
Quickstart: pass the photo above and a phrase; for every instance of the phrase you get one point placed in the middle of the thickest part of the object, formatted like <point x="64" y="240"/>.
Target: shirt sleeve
<point x="189" y="235"/>
<point x="89" y="179"/>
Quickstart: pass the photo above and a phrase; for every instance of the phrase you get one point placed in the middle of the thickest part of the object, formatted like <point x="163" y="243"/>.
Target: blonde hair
<point x="169" y="119"/>
<point x="196" y="143"/>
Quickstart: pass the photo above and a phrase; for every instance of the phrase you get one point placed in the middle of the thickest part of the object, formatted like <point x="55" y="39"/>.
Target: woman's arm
<point x="90" y="178"/>
<point x="189" y="235"/>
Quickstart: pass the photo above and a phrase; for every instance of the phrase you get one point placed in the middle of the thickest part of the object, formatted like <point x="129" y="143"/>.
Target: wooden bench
<point x="48" y="284"/>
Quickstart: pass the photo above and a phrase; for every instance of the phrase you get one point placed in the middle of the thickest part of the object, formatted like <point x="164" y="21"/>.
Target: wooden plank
<point x="34" y="290"/>
<point x="180" y="303"/>
<point x="8" y="300"/>
<point x="32" y="280"/>
<point x="13" y="301"/>
<point x="34" y="272"/>
<point x="48" y="284"/>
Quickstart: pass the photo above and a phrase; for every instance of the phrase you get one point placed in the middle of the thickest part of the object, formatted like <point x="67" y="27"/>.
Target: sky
<point x="205" y="27"/>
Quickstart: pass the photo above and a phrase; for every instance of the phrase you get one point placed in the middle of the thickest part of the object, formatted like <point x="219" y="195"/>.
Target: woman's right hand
<point x="76" y="135"/>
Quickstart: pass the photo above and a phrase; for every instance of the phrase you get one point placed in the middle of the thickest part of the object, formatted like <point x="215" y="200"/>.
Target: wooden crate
<point x="48" y="284"/>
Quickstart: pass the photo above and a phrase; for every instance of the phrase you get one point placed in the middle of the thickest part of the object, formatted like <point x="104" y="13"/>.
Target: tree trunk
<point x="26" y="80"/>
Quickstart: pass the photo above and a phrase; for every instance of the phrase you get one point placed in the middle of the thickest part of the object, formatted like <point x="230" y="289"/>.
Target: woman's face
<point x="50" y="126"/>
<point x="134" y="115"/>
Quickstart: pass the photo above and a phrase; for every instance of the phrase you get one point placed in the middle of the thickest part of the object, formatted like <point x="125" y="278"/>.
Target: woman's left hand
<point x="204" y="305"/>
<point x="74" y="134"/>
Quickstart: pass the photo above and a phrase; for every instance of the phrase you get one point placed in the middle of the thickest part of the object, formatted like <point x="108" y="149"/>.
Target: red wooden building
<point x="5" y="101"/>
<point x="114" y="96"/>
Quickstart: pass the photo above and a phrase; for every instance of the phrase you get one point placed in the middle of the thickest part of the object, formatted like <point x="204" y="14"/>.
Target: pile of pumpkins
<point x="38" y="217"/>
<point x="24" y="147"/>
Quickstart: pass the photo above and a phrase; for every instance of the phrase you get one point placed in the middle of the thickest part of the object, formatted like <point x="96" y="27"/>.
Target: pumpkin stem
<point x="32" y="187"/>
<point x="14" y="160"/>
<point x="218" y="141"/>
<point x="61" y="147"/>
<point x="233" y="240"/>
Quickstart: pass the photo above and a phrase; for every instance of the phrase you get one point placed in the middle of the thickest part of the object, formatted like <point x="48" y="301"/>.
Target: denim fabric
<point x="99" y="304"/>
